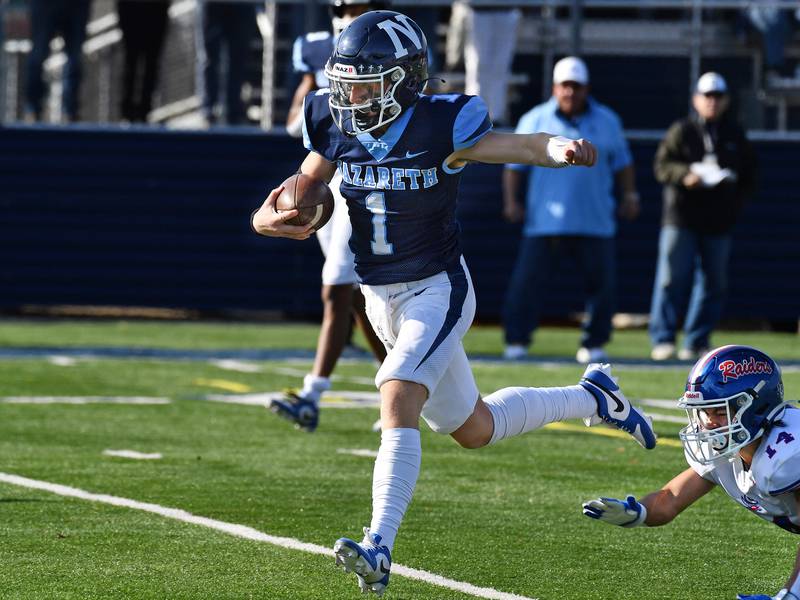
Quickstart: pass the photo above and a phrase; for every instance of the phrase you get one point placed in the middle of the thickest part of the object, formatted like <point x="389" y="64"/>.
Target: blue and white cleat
<point x="369" y="560"/>
<point x="614" y="408"/>
<point x="293" y="407"/>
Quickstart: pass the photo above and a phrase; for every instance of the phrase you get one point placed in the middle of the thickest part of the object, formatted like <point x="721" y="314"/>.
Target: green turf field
<point x="505" y="518"/>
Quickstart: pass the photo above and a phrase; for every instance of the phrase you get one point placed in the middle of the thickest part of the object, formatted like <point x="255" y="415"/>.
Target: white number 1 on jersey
<point x="376" y="204"/>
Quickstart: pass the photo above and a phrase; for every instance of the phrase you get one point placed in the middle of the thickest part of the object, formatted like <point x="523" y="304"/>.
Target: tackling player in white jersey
<point x="742" y="437"/>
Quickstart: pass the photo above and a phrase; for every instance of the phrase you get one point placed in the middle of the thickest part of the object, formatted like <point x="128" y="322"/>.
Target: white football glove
<point x="627" y="513"/>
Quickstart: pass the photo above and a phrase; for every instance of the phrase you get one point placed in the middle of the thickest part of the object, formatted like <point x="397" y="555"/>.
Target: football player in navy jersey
<point x="341" y="299"/>
<point x="742" y="437"/>
<point x="401" y="154"/>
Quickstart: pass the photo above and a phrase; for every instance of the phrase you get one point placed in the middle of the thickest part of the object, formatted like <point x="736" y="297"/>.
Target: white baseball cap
<point x="711" y="83"/>
<point x="571" y="68"/>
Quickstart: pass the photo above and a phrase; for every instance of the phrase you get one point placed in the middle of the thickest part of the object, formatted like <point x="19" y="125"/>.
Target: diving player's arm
<point x="266" y="221"/>
<point x="671" y="500"/>
<point x="539" y="149"/>
<point x="294" y="122"/>
<point x="657" y="508"/>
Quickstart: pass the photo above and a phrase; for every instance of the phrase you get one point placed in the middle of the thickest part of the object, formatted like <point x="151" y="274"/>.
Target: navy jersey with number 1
<point x="400" y="194"/>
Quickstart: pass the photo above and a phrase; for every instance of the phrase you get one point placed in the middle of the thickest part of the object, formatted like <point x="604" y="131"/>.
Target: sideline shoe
<point x="663" y="351"/>
<point x="369" y="560"/>
<point x="691" y="353"/>
<point x="515" y="352"/>
<point x="591" y="355"/>
<point x="614" y="408"/>
<point x="293" y="407"/>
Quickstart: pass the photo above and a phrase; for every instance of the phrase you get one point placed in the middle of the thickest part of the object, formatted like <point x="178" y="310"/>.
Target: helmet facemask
<point x="706" y="445"/>
<point x="355" y="114"/>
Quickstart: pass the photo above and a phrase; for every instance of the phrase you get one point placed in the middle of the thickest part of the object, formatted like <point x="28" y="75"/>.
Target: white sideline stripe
<point x="337" y="399"/>
<point x="350" y="399"/>
<point x="62" y="361"/>
<point x="245" y="532"/>
<point x="133" y="454"/>
<point x="237" y="365"/>
<point x="303" y="372"/>
<point x="358" y="452"/>
<point x="83" y="400"/>
<point x="673" y="404"/>
<point x="667" y="418"/>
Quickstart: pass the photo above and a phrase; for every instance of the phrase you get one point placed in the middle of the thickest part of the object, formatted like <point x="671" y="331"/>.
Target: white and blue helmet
<point x="747" y="384"/>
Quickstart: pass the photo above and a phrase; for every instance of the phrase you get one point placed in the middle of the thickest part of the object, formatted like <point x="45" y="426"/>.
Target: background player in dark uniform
<point x="401" y="154"/>
<point x="341" y="299"/>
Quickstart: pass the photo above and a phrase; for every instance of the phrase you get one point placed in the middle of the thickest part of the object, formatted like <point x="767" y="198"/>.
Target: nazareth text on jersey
<point x="400" y="193"/>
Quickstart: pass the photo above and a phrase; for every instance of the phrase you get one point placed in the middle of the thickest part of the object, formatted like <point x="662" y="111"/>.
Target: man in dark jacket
<point x="707" y="167"/>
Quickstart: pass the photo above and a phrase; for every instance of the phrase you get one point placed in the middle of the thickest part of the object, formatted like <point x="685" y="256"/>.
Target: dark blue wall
<point x="147" y="218"/>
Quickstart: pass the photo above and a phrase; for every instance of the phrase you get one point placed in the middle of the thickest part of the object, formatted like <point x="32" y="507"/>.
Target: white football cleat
<point x="614" y="408"/>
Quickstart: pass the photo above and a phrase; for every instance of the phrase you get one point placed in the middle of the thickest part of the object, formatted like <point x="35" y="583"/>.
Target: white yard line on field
<point x="245" y="532"/>
<point x="673" y="404"/>
<point x="294" y="372"/>
<point x="62" y="361"/>
<point x="236" y="365"/>
<point x="83" y="400"/>
<point x="358" y="452"/>
<point x="350" y="399"/>
<point x="133" y="454"/>
<point x="337" y="399"/>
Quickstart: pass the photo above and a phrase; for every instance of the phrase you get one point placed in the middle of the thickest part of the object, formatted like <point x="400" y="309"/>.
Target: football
<point x="309" y="195"/>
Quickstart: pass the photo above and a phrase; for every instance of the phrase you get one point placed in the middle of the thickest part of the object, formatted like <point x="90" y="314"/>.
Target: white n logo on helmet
<point x="392" y="27"/>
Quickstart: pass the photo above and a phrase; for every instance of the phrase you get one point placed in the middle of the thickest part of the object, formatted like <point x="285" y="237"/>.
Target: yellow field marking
<point x="224" y="384"/>
<point x="615" y="433"/>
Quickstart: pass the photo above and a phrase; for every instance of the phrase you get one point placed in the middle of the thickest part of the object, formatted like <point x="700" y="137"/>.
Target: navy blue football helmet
<point x="377" y="70"/>
<point x="741" y="384"/>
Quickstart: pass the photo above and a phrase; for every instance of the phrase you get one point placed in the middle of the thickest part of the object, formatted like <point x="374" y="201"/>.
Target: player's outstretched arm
<point x="540" y="149"/>
<point x="656" y="508"/>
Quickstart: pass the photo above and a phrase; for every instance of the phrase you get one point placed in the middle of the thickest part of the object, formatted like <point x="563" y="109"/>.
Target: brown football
<point x="309" y="195"/>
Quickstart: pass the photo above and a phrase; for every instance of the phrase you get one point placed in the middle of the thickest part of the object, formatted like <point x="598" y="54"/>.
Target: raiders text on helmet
<point x="740" y="380"/>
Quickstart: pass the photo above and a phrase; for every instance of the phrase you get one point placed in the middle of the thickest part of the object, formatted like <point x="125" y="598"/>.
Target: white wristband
<point x="555" y="151"/>
<point x="640" y="520"/>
